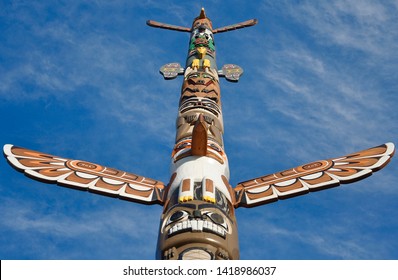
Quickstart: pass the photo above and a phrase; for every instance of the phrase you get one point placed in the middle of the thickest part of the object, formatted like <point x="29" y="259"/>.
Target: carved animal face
<point x="198" y="229"/>
<point x="189" y="217"/>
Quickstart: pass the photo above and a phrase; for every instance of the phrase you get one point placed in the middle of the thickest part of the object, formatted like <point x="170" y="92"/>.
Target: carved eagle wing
<point x="314" y="176"/>
<point x="85" y="175"/>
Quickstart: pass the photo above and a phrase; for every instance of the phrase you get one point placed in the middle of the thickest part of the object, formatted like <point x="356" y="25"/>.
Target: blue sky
<point x="79" y="79"/>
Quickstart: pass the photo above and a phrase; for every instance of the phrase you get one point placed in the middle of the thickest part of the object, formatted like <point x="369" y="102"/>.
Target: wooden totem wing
<point x="235" y="26"/>
<point x="162" y="25"/>
<point x="85" y="176"/>
<point x="314" y="176"/>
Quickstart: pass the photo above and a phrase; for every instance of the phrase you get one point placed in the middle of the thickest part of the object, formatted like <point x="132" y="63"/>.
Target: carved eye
<point x="215" y="147"/>
<point x="178" y="215"/>
<point x="217" y="219"/>
<point x="179" y="147"/>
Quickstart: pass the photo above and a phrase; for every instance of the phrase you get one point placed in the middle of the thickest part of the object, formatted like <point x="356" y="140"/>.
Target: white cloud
<point x="359" y="25"/>
<point x="101" y="227"/>
<point x="323" y="88"/>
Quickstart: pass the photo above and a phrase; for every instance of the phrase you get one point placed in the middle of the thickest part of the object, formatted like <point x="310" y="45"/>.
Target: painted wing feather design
<point x="85" y="176"/>
<point x="313" y="176"/>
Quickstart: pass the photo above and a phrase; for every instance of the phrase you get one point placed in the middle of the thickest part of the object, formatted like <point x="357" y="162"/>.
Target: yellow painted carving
<point x="201" y="52"/>
<point x="209" y="199"/>
<point x="185" y="198"/>
<point x="206" y="63"/>
<point x="195" y="63"/>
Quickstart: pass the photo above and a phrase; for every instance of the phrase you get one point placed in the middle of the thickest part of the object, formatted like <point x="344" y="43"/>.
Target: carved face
<point x="187" y="217"/>
<point x="202" y="23"/>
<point x="198" y="229"/>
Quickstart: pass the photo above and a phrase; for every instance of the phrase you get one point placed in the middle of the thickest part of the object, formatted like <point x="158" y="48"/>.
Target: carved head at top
<point x="202" y="21"/>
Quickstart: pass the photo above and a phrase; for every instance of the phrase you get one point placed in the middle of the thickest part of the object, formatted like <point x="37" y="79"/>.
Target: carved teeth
<point x="200" y="225"/>
<point x="197" y="226"/>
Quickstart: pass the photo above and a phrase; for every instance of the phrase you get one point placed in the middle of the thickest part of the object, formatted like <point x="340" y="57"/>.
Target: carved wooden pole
<point x="198" y="219"/>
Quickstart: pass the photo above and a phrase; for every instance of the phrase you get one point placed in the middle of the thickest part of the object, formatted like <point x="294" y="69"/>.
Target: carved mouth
<point x="205" y="104"/>
<point x="197" y="226"/>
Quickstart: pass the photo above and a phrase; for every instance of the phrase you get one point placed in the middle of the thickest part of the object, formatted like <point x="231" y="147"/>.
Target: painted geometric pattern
<point x="85" y="176"/>
<point x="313" y="176"/>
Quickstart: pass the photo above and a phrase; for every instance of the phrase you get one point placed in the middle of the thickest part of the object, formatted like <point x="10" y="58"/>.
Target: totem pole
<point x="198" y="219"/>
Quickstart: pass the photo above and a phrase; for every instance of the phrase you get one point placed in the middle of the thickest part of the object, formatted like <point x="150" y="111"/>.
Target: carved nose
<point x="197" y="214"/>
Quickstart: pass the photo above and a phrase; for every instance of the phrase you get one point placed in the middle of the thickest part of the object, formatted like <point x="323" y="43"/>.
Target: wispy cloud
<point x="289" y="235"/>
<point x="88" y="230"/>
<point x="317" y="81"/>
<point x="358" y="25"/>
